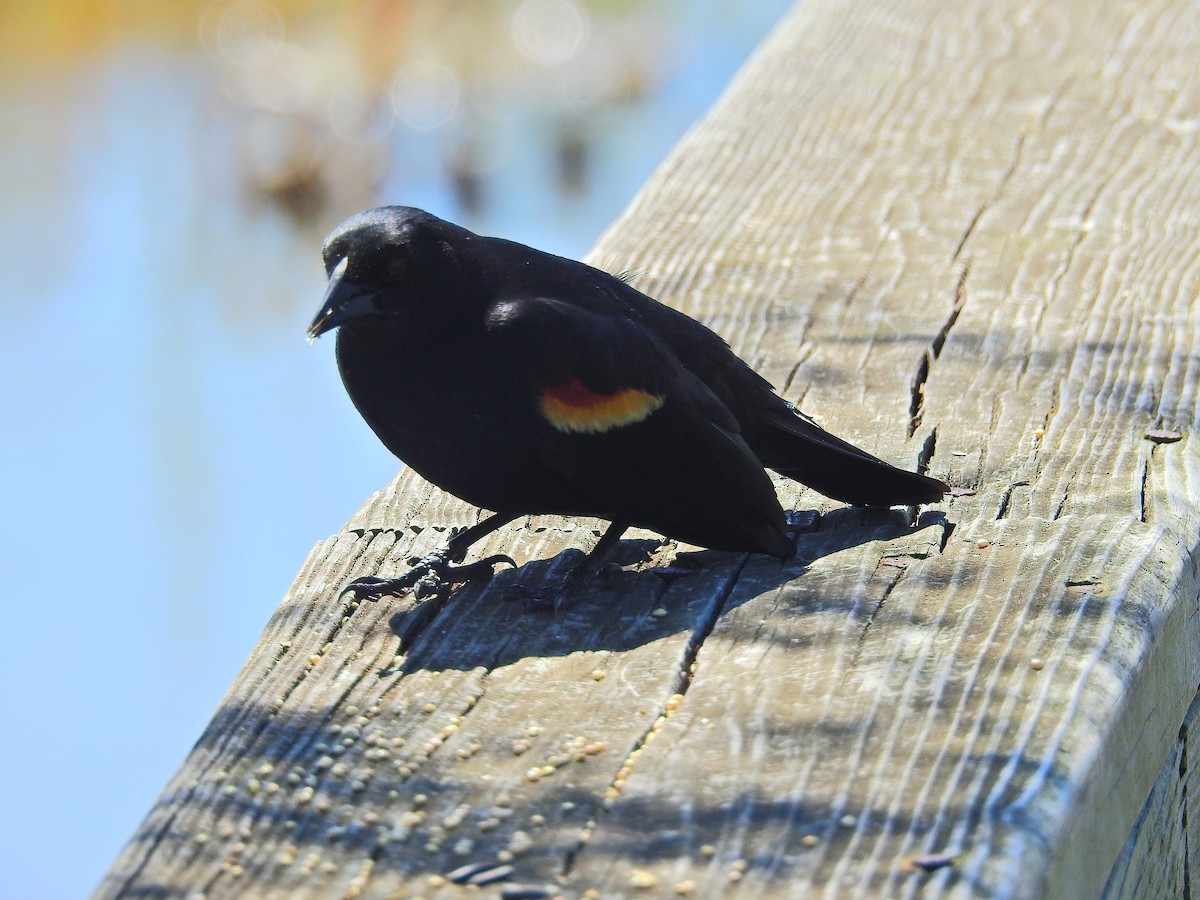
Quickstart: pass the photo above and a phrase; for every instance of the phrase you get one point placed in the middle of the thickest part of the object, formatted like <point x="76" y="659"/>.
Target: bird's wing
<point x="618" y="413"/>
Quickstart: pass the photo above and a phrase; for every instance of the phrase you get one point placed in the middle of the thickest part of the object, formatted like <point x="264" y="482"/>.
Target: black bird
<point x="528" y="383"/>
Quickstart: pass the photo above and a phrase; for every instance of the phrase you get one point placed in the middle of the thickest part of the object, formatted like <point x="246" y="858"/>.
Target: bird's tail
<point x="798" y="448"/>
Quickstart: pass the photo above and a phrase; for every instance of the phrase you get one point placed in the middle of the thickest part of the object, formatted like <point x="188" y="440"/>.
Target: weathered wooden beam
<point x="1160" y="859"/>
<point x="960" y="232"/>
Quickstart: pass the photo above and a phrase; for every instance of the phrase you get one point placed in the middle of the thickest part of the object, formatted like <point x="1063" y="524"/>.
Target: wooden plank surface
<point x="1158" y="860"/>
<point x="963" y="233"/>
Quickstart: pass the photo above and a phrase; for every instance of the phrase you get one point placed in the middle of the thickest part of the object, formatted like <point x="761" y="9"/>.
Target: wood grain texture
<point x="1191" y="805"/>
<point x="1159" y="858"/>
<point x="958" y="233"/>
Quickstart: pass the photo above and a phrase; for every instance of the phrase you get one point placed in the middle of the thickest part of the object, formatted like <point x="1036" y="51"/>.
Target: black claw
<point x="669" y="574"/>
<point x="607" y="572"/>
<point x="488" y="563"/>
<point x="374" y="588"/>
<point x="428" y="575"/>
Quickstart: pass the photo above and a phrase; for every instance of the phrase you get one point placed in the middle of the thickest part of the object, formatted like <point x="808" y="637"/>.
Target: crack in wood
<point x="1008" y="174"/>
<point x="928" y="448"/>
<point x="970" y="228"/>
<point x="1145" y="498"/>
<point x="888" y="587"/>
<point x="1006" y="499"/>
<point x="983" y="207"/>
<point x="1062" y="503"/>
<point x="1069" y="258"/>
<point x="806" y="350"/>
<point x="1055" y="399"/>
<point x="947" y="530"/>
<point x="960" y="300"/>
<point x="684" y="676"/>
<point x="981" y="464"/>
<point x="900" y="564"/>
<point x="916" y="403"/>
<point x="571" y="854"/>
<point x="917" y="394"/>
<point x="1188" y="837"/>
<point x="1036" y="458"/>
<point x="858" y="285"/>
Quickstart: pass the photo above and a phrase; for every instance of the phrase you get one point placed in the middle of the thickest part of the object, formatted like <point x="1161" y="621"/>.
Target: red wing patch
<point x="573" y="407"/>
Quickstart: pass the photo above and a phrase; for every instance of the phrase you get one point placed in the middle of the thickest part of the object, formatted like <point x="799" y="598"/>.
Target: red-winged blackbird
<point x="528" y="383"/>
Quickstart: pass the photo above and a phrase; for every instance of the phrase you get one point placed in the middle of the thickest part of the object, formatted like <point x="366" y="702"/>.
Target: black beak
<point x="343" y="300"/>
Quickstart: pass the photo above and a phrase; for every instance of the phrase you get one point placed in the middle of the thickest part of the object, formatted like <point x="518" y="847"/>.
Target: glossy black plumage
<point x="527" y="383"/>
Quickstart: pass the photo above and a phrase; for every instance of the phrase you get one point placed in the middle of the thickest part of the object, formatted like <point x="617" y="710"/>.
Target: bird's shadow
<point x="534" y="611"/>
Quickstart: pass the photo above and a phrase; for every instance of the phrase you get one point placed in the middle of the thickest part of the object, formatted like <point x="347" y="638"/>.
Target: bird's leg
<point x="435" y="570"/>
<point x="591" y="566"/>
<point x="597" y="558"/>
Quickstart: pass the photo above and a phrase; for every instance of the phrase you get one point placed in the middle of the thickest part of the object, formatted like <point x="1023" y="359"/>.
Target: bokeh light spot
<point x="549" y="32"/>
<point x="425" y="95"/>
<point x="242" y="32"/>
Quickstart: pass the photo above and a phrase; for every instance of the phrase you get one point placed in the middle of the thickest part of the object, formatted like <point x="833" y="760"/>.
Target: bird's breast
<point x="461" y="420"/>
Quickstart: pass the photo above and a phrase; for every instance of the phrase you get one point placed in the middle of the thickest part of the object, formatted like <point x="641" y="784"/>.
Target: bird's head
<point x="392" y="262"/>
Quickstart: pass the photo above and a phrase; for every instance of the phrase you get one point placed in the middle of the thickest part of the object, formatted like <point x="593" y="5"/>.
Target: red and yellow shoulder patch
<point x="574" y="407"/>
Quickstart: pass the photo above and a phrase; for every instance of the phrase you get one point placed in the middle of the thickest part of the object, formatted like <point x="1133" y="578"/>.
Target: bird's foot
<point x="430" y="574"/>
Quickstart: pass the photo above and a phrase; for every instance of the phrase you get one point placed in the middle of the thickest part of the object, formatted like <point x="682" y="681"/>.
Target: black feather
<point x="529" y="383"/>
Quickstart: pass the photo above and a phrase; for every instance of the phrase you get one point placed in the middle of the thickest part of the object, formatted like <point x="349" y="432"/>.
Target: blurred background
<point x="171" y="448"/>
